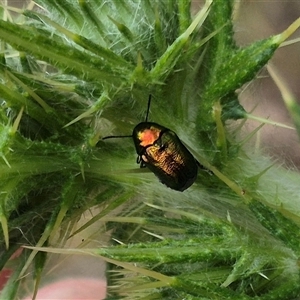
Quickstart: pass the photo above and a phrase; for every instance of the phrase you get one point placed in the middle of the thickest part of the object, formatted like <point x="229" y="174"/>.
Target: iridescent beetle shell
<point x="160" y="150"/>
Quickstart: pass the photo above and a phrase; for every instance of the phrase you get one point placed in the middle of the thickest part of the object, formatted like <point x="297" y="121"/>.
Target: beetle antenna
<point x="148" y="108"/>
<point x="127" y="136"/>
<point x="116" y="136"/>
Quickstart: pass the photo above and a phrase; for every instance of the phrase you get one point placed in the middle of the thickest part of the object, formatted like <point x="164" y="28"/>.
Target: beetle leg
<point x="201" y="167"/>
<point x="140" y="161"/>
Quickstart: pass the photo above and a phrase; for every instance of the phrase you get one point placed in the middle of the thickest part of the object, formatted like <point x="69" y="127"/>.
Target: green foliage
<point x="73" y="72"/>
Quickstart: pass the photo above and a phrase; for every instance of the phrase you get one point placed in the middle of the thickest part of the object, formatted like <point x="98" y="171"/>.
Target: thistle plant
<point x="73" y="72"/>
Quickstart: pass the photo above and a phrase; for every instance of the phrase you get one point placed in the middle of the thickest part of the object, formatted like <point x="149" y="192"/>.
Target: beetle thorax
<point x="148" y="136"/>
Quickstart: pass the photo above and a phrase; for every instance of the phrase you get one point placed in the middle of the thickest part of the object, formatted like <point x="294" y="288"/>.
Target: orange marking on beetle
<point x="148" y="136"/>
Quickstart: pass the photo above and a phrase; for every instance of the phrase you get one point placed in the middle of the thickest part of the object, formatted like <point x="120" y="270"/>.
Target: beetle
<point x="162" y="152"/>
